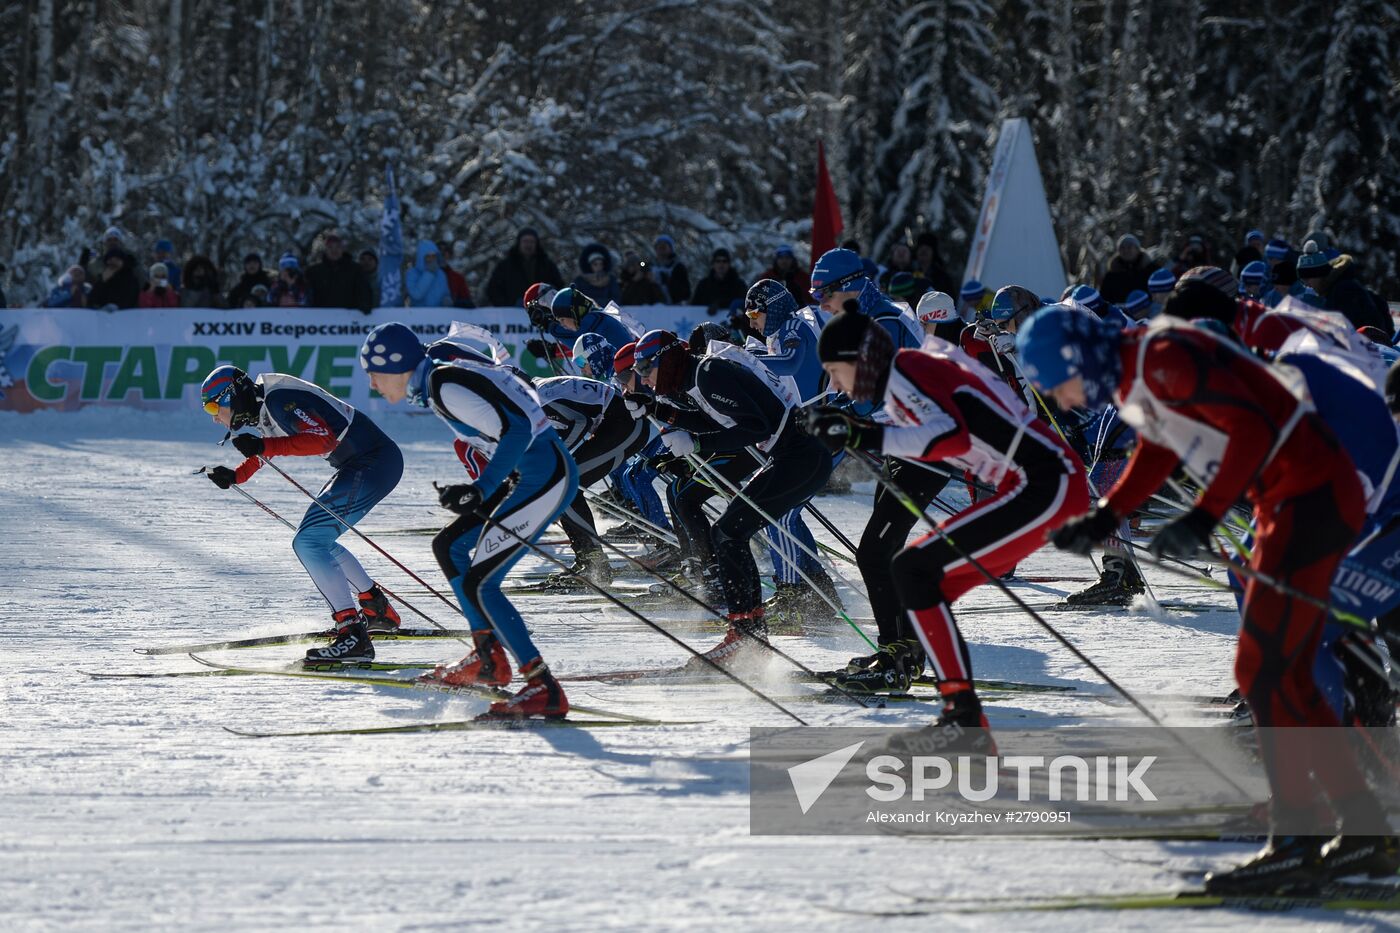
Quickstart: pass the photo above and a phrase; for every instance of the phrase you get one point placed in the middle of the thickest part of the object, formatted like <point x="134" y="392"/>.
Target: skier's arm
<point x="1147" y="469"/>
<point x="476" y="406"/>
<point x="571" y="423"/>
<point x="787" y="361"/>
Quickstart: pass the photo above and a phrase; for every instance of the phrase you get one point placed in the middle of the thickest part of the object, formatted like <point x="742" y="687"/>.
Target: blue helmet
<point x="595" y="351"/>
<point x="1088" y="296"/>
<point x="771" y="298"/>
<point x="1060" y="342"/>
<point x="391" y="348"/>
<point x="571" y="303"/>
<point x="1255" y="273"/>
<point x="836" y="269"/>
<point x="650" y="347"/>
<point x="230" y="386"/>
<point x="1011" y="301"/>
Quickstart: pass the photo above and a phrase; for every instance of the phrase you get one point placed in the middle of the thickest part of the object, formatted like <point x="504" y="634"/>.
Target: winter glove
<point x="640" y="404"/>
<point x="249" y="445"/>
<point x="1185" y="537"/>
<point x="1002" y="343"/>
<point x="462" y="498"/>
<point x="537" y="348"/>
<point x="221" y="476"/>
<point x="678" y="443"/>
<point x="1079" y="535"/>
<point x="836" y="429"/>
<point x="669" y="466"/>
<point x="986" y="329"/>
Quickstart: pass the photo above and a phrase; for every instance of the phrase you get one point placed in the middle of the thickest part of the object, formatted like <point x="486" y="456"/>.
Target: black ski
<point x="404" y="634"/>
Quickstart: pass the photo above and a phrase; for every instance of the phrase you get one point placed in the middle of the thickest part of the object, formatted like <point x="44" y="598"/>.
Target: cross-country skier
<point x="1241" y="430"/>
<point x="940" y="405"/>
<point x="526" y="482"/>
<point x="840" y="278"/>
<point x="297" y="419"/>
<point x="575" y="314"/>
<point x="791" y="335"/>
<point x="738" y="404"/>
<point x="600" y="432"/>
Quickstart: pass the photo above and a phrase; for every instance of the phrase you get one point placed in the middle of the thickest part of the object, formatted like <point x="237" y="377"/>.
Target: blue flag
<point x="390" y="249"/>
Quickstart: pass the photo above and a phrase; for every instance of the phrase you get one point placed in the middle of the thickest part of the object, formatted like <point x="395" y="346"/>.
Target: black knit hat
<point x="840" y="339"/>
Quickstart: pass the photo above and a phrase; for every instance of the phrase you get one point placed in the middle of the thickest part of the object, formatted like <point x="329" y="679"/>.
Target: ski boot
<point x="892" y="671"/>
<point x="660" y="559"/>
<point x="737" y="647"/>
<point x="1117" y="585"/>
<point x="1286" y="861"/>
<point x="783" y="611"/>
<point x="486" y="666"/>
<point x="589" y="565"/>
<point x="627" y="532"/>
<point x="379" y="615"/>
<point x="960" y="728"/>
<point x="541" y="697"/>
<point x="351" y="643"/>
<point x="1373" y="856"/>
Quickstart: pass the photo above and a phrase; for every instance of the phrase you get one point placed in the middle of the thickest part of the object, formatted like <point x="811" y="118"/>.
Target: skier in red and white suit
<point x="940" y="405"/>
<point x="1241" y="429"/>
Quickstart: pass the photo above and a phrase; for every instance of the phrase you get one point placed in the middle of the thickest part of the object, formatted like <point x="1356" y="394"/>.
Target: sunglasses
<point x="643" y="367"/>
<point x="212" y="406"/>
<point x="822" y="292"/>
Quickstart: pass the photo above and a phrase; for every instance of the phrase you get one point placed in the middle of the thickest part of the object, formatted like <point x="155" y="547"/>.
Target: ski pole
<point x="723" y="618"/>
<point x="1040" y="620"/>
<point x="489" y="521"/>
<point x="812" y="510"/>
<point x="626" y="514"/>
<point x="719" y="483"/>
<point x="387" y="592"/>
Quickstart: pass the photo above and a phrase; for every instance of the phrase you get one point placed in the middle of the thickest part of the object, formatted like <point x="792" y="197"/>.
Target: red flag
<point x="826" y="213"/>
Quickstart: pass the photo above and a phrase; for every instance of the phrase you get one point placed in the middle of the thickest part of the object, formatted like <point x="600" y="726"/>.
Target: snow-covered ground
<point x="125" y="805"/>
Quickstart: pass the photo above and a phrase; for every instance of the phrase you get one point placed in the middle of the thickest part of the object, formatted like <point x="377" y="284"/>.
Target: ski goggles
<point x="212" y="405"/>
<point x="822" y="292"/>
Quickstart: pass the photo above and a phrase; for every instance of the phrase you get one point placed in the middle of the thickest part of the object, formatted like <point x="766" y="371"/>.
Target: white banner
<point x="64" y="359"/>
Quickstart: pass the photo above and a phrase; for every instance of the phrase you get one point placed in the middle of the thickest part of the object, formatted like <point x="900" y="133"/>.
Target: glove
<point x="835" y="429"/>
<point x="462" y="498"/>
<point x="249" y="445"/>
<point x="640" y="404"/>
<point x="221" y="476"/>
<point x="987" y="329"/>
<point x="1080" y="534"/>
<point x="1003" y="343"/>
<point x="678" y="443"/>
<point x="667" y="465"/>
<point x="1185" y="537"/>
<point x="537" y="348"/>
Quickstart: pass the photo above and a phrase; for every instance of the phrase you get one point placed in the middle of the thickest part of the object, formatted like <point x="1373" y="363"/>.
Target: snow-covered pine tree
<point x="933" y="160"/>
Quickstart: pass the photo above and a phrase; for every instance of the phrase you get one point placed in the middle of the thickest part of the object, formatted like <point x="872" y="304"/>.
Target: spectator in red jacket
<point x="785" y="269"/>
<point x="159" y="293"/>
<point x="456" y="282"/>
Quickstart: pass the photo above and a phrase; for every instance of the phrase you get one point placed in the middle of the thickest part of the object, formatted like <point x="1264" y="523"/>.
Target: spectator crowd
<point x="1133" y="281"/>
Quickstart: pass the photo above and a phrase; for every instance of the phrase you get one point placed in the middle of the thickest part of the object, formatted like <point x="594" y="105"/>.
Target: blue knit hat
<point x="164" y="246"/>
<point x="1253" y="235"/>
<point x="289" y="261"/>
<point x="1255" y="273"/>
<point x="1088" y="296"/>
<point x="972" y="290"/>
<point x="1161" y="281"/>
<point x="1137" y="300"/>
<point x="1277" y="250"/>
<point x="1313" y="263"/>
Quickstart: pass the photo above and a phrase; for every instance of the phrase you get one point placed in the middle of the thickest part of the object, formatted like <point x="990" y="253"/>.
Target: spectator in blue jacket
<point x="164" y="253"/>
<point x="71" y="291"/>
<point x="427" y="283"/>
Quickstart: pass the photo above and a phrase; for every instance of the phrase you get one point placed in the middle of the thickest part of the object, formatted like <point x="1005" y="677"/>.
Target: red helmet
<point x="625" y="357"/>
<point x="539" y="295"/>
